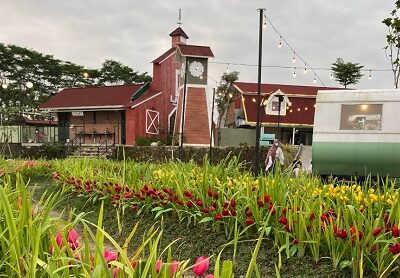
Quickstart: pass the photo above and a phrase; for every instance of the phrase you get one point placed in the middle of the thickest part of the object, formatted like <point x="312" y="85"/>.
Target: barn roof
<point x="93" y="97"/>
<point x="195" y="50"/>
<point x="300" y="112"/>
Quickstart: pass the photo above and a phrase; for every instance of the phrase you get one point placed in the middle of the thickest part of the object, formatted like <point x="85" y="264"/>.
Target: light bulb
<point x="331" y="77"/>
<point x="4" y="86"/>
<point x="294" y="57"/>
<point x="29" y="85"/>
<point x="265" y="25"/>
<point x="370" y="76"/>
<point x="280" y="42"/>
<point x="305" y="70"/>
<point x="294" y="72"/>
<point x="315" y="80"/>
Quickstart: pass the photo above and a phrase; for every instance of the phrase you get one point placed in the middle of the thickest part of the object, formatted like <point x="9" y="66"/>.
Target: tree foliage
<point x="48" y="75"/>
<point x="393" y="42"/>
<point x="346" y="73"/>
<point x="225" y="94"/>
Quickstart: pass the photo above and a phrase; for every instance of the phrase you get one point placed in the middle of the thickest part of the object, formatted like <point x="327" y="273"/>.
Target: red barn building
<point x="287" y="110"/>
<point x="121" y="114"/>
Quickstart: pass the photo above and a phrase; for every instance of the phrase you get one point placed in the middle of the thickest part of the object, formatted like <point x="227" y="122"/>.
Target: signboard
<point x="77" y="113"/>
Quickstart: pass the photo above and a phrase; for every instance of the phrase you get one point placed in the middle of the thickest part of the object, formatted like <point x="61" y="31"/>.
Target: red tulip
<point x="225" y="205"/>
<point x="59" y="239"/>
<point x="225" y="212"/>
<point x="282" y="220"/>
<point x="233" y="203"/>
<point x="249" y="221"/>
<point x="248" y="214"/>
<point x="260" y="203"/>
<point x="284" y="210"/>
<point x="272" y="211"/>
<point x="128" y="195"/>
<point x="395" y="231"/>
<point x="267" y="198"/>
<point x="110" y="256"/>
<point x="395" y="249"/>
<point x="211" y="208"/>
<point x="216" y="195"/>
<point x="179" y="202"/>
<point x="209" y="192"/>
<point x="376" y="231"/>
<point x="158" y="265"/>
<point x="199" y="203"/>
<point x="233" y="212"/>
<point x="341" y="233"/>
<point x="218" y="216"/>
<point x="189" y="203"/>
<point x="201" y="266"/>
<point x="312" y="216"/>
<point x="373" y="249"/>
<point x="204" y="210"/>
<point x="295" y="241"/>
<point x="73" y="236"/>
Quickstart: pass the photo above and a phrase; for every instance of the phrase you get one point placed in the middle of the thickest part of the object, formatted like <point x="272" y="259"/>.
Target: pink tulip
<point x="201" y="266"/>
<point x="110" y="256"/>
<point x="210" y="276"/>
<point x="158" y="265"/>
<point x="173" y="267"/>
<point x="115" y="272"/>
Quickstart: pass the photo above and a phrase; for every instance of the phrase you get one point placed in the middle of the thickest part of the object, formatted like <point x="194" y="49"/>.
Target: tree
<point x="115" y="73"/>
<point x="393" y="42"/>
<point x="346" y="73"/>
<point x="48" y="75"/>
<point x="224" y="96"/>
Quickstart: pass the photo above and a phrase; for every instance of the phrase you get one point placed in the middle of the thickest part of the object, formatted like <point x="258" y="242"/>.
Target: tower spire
<point x="180" y="18"/>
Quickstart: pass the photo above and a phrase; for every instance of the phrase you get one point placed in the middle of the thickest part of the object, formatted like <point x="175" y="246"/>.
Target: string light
<point x="315" y="80"/>
<point x="294" y="57"/>
<point x="294" y="72"/>
<point x="305" y="69"/>
<point x="370" y="75"/>
<point x="265" y="23"/>
<point x="280" y="42"/>
<point x="331" y="77"/>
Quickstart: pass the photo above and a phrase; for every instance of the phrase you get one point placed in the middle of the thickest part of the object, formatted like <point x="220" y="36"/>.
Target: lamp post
<point x="280" y="99"/>
<point x="183" y="107"/>
<point x="258" y="127"/>
<point x="211" y="125"/>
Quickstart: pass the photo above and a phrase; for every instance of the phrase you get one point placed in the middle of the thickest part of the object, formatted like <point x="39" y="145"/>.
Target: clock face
<point x="196" y="68"/>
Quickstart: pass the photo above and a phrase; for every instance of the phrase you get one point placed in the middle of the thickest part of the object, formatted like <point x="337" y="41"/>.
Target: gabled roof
<point x="245" y="87"/>
<point x="90" y="97"/>
<point x="195" y="50"/>
<point x="164" y="56"/>
<point x="301" y="110"/>
<point x="179" y="32"/>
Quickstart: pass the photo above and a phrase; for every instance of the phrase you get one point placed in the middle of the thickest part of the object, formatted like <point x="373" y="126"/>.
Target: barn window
<point x="361" y="117"/>
<point x="275" y="100"/>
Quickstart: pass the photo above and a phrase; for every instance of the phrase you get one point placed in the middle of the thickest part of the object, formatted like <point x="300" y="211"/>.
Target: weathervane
<point x="180" y="18"/>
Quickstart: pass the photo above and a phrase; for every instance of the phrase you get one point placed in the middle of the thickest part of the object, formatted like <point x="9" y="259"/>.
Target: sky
<point x="87" y="32"/>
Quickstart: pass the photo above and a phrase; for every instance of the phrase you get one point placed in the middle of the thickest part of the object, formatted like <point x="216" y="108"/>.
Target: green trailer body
<point x="357" y="133"/>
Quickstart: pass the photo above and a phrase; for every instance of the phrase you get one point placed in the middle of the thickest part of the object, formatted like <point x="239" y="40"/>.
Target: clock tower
<point x="192" y="114"/>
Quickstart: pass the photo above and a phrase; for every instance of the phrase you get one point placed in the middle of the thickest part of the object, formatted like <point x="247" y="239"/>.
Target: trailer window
<point x="361" y="117"/>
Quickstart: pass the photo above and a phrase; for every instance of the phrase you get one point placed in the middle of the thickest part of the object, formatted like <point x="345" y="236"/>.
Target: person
<point x="274" y="153"/>
<point x="296" y="168"/>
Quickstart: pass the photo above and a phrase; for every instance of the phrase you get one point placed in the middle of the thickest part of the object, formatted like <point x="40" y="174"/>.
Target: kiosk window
<point x="361" y="117"/>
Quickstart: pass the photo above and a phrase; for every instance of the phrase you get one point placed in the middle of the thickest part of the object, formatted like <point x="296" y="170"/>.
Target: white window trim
<point x="152" y="121"/>
<point x="268" y="104"/>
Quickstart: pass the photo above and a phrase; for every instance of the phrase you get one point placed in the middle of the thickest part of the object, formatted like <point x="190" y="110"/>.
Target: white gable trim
<point x="143" y="101"/>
